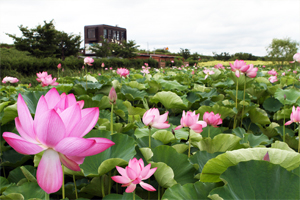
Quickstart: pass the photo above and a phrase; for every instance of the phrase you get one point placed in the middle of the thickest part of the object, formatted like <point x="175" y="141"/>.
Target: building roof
<point x="156" y="55"/>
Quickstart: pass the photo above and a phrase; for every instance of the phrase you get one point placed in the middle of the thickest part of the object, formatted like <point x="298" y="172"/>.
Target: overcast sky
<point x="202" y="26"/>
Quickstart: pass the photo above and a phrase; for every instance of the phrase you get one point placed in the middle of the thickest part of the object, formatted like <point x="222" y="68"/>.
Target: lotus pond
<point x="174" y="133"/>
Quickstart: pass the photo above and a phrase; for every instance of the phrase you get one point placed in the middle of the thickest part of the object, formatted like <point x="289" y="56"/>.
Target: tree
<point x="282" y="50"/>
<point x="103" y="50"/>
<point x="46" y="41"/>
<point x="185" y="53"/>
<point x="224" y="56"/>
<point x="128" y="49"/>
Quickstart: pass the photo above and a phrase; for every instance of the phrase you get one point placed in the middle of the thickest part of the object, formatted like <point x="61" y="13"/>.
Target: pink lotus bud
<point x="112" y="96"/>
<point x="110" y="68"/>
<point x="63" y="70"/>
<point x="266" y="157"/>
<point x="59" y="66"/>
<point x="102" y="65"/>
<point x="106" y="68"/>
<point x="83" y="67"/>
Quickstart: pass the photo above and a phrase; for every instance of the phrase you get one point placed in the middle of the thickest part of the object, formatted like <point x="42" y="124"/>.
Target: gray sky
<point x="202" y="26"/>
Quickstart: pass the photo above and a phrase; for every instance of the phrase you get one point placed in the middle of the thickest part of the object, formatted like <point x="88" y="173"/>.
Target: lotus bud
<point x="112" y="96"/>
<point x="59" y="66"/>
<point x="266" y="157"/>
<point x="102" y="65"/>
<point x="284" y="97"/>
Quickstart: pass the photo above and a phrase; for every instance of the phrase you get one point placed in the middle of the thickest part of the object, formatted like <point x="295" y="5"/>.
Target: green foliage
<point x="282" y="50"/>
<point x="185" y="53"/>
<point x="46" y="41"/>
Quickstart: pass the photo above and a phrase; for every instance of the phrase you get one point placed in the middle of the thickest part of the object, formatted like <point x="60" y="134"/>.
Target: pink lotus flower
<point x="112" y="95"/>
<point x="193" y="72"/>
<point x="207" y="72"/>
<point x="102" y="65"/>
<point x="172" y="61"/>
<point x="48" y="81"/>
<point x="273" y="79"/>
<point x="8" y="79"/>
<point x="263" y="66"/>
<point x="57" y="129"/>
<point x="295" y="72"/>
<point x="41" y="75"/>
<point x="212" y="119"/>
<point x="190" y="119"/>
<point x="123" y="72"/>
<point x="110" y="68"/>
<point x="295" y="116"/>
<point x="153" y="119"/>
<point x="283" y="74"/>
<point x="239" y="66"/>
<point x="82" y="66"/>
<point x="59" y="66"/>
<point x="219" y="66"/>
<point x="145" y="71"/>
<point x="88" y="61"/>
<point x="146" y="64"/>
<point x="106" y="68"/>
<point x="296" y="58"/>
<point x="272" y="72"/>
<point x="252" y="71"/>
<point x="134" y="174"/>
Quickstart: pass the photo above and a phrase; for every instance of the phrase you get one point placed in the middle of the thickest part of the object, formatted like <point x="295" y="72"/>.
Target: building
<point x="160" y="58"/>
<point x="96" y="34"/>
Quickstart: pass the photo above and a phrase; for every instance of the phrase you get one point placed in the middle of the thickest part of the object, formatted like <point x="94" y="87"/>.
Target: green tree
<point x="128" y="49"/>
<point x="46" y="41"/>
<point x="224" y="56"/>
<point x="102" y="50"/>
<point x="67" y="45"/>
<point x="185" y="53"/>
<point x="282" y="50"/>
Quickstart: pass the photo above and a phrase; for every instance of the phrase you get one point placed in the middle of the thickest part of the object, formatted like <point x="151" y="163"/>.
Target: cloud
<point x="201" y="26"/>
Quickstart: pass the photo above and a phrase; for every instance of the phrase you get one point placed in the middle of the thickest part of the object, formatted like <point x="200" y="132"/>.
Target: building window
<point x="104" y="33"/>
<point x="91" y="33"/>
<point x="118" y="35"/>
<point x="109" y="34"/>
<point x="122" y="35"/>
<point x="114" y="35"/>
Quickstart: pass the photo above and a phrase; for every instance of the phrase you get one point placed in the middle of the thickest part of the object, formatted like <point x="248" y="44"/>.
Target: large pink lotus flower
<point x="208" y="72"/>
<point x="41" y="75"/>
<point x="212" y="119"/>
<point x="273" y="79"/>
<point x="88" y="61"/>
<point x="57" y="129"/>
<point x="239" y="66"/>
<point x="296" y="58"/>
<point x="252" y="71"/>
<point x="295" y="116"/>
<point x="219" y="66"/>
<point x="48" y="81"/>
<point x="190" y="119"/>
<point x="272" y="72"/>
<point x="134" y="174"/>
<point x="152" y="118"/>
<point x="123" y="72"/>
<point x="9" y="79"/>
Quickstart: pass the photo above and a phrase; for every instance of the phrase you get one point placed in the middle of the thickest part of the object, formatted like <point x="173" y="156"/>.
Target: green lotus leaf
<point x="283" y="113"/>
<point x="272" y="89"/>
<point x="197" y="190"/>
<point x="182" y="168"/>
<point x="134" y="110"/>
<point x="209" y="94"/>
<point x="220" y="143"/>
<point x="164" y="174"/>
<point x="288" y="80"/>
<point x="215" y="167"/>
<point x="232" y="94"/>
<point x="169" y="100"/>
<point x="32" y="98"/>
<point x="271" y="104"/>
<point x="193" y="97"/>
<point x="142" y="132"/>
<point x="216" y="109"/>
<point x="133" y="93"/>
<point x="13" y="196"/>
<point x="118" y="154"/>
<point x="289" y="132"/>
<point x="28" y="190"/>
<point x="164" y="136"/>
<point x="30" y="177"/>
<point x="292" y="95"/>
<point x="4" y="184"/>
<point x="171" y="85"/>
<point x="257" y="179"/>
<point x="10" y="113"/>
<point x="95" y="186"/>
<point x="13" y="159"/>
<point x="146" y="152"/>
<point x="3" y="105"/>
<point x="135" y="84"/>
<point x="270" y="131"/>
<point x="125" y="196"/>
<point x="63" y="87"/>
<point x="212" y="131"/>
<point x="180" y="148"/>
<point x="200" y="158"/>
<point x="16" y="174"/>
<point x="144" y="142"/>
<point x="90" y="102"/>
<point x="259" y="116"/>
<point x="90" y="85"/>
<point x="224" y="84"/>
<point x="281" y="145"/>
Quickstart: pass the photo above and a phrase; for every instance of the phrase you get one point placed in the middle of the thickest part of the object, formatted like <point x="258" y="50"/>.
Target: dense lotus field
<point x="188" y="132"/>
